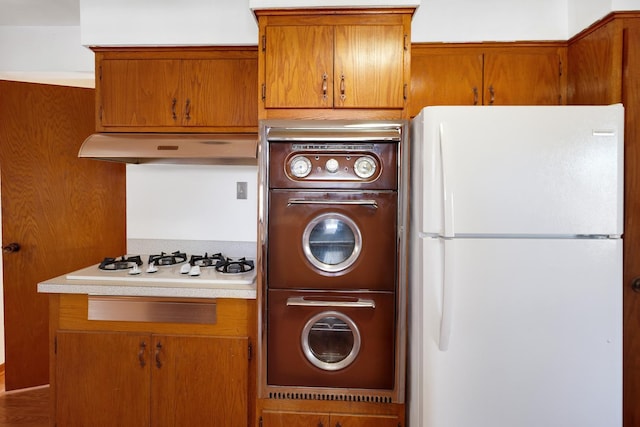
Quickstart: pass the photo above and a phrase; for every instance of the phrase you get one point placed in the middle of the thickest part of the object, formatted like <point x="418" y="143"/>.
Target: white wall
<point x="151" y="22"/>
<point x="191" y="202"/>
<point x="39" y="49"/>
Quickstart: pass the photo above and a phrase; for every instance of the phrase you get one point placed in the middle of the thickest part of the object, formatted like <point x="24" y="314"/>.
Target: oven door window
<point x="332" y="242"/>
<point x="330" y="341"/>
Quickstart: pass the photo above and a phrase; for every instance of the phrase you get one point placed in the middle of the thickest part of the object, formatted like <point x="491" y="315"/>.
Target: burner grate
<point x="207" y="260"/>
<point x="167" y="259"/>
<point x="122" y="263"/>
<point x="235" y="266"/>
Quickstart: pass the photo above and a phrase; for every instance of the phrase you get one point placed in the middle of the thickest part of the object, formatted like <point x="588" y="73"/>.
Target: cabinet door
<point x="139" y="92"/>
<point x="219" y="92"/>
<point x="294" y="419"/>
<point x="369" y="66"/>
<point x="445" y="79"/>
<point x="299" y="66"/>
<point x="102" y="379"/>
<point x="522" y="78"/>
<point x="363" y="421"/>
<point x="200" y="381"/>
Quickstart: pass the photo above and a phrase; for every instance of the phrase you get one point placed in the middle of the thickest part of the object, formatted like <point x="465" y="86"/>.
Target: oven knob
<point x="365" y="167"/>
<point x="300" y="166"/>
<point x="332" y="166"/>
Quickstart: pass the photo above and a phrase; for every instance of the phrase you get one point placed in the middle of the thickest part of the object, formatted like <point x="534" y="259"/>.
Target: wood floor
<point x="26" y="408"/>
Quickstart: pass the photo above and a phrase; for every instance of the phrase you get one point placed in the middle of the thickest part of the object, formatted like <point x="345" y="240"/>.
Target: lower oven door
<point x="331" y="339"/>
<point x="332" y="240"/>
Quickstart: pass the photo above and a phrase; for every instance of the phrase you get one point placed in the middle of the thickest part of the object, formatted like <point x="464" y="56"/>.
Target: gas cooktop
<point x="175" y="267"/>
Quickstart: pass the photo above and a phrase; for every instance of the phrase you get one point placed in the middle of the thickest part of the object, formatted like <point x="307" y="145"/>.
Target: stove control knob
<point x="332" y="166"/>
<point x="300" y="166"/>
<point x="365" y="167"/>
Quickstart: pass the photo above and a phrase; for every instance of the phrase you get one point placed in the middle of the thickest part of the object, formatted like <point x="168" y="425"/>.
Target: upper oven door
<point x="332" y="240"/>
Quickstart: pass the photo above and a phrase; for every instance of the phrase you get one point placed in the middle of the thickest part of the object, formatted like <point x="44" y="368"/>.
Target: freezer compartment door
<point x="535" y="333"/>
<point x="519" y="170"/>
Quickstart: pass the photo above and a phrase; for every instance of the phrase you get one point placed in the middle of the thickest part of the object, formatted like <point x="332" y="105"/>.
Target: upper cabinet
<point x="187" y="89"/>
<point x="334" y="63"/>
<point x="487" y="74"/>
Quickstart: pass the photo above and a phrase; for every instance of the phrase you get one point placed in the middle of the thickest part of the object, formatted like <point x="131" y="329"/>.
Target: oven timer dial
<point x="300" y="166"/>
<point x="365" y="167"/>
<point x="332" y="166"/>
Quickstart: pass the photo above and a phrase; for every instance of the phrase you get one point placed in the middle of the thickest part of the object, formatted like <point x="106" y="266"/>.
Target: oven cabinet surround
<point x="186" y="89"/>
<point x="523" y="73"/>
<point x="344" y="63"/>
<point x="107" y="373"/>
<point x="330" y="414"/>
<point x="604" y="68"/>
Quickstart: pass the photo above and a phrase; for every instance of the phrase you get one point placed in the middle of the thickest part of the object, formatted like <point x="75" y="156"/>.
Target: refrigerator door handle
<point x="447" y="196"/>
<point x="447" y="295"/>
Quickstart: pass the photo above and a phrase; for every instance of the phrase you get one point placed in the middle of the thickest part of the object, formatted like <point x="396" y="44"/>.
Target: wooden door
<point x="140" y="92"/>
<point x="65" y="212"/>
<point x="294" y="419"/>
<point x="200" y="381"/>
<point x="103" y="379"/>
<point x="299" y="66"/>
<point x="369" y="66"/>
<point x="522" y="78"/>
<point x="451" y="78"/>
<point x="220" y="92"/>
<point x="631" y="293"/>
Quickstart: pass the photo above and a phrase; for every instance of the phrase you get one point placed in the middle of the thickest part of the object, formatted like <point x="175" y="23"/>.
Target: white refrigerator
<point x="515" y="306"/>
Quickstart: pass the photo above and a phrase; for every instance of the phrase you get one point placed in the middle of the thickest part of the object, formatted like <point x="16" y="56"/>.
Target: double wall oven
<point x="332" y="233"/>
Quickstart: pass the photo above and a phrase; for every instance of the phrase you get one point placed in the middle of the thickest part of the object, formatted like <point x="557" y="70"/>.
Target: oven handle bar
<point x="302" y="302"/>
<point x="371" y="203"/>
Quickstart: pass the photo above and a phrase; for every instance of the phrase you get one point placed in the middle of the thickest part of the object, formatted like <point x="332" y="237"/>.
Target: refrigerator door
<point x="518" y="171"/>
<point x="535" y="335"/>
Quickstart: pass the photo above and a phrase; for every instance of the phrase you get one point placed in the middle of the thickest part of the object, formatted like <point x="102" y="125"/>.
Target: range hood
<point x="184" y="148"/>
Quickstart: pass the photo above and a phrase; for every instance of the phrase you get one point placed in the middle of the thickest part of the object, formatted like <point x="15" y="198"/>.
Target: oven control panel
<point x="333" y="165"/>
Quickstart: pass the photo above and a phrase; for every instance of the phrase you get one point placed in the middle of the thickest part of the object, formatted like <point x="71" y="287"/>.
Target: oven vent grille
<point x="331" y="396"/>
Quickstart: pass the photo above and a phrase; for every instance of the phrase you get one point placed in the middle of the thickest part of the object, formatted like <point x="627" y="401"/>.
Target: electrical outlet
<point x="241" y="190"/>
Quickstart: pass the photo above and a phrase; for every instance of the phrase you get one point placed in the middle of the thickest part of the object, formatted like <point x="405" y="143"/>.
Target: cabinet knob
<point x="492" y="95"/>
<point x="173" y="108"/>
<point x="342" y="88"/>
<point x="158" y="360"/>
<point x="324" y="85"/>
<point x="635" y="284"/>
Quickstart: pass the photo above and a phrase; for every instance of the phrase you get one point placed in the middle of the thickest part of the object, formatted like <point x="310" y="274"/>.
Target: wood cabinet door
<point x="522" y="78"/>
<point x="294" y="419"/>
<point x="219" y="92"/>
<point x="140" y="92"/>
<point x="200" y="381"/>
<point x="369" y="66"/>
<point x="299" y="66"/>
<point x="364" y="421"/>
<point x="102" y="379"/>
<point x="445" y="79"/>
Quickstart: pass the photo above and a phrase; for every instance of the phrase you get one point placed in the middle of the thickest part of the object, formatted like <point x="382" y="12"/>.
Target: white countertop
<point x="161" y="284"/>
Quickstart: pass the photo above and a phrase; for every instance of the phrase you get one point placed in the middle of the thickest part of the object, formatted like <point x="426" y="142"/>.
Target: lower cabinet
<point x="142" y="373"/>
<point x="130" y="379"/>
<point x="301" y="419"/>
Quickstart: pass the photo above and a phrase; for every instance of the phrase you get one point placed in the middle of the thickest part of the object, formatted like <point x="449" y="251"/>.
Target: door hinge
<point x="100" y="113"/>
<point x="406" y="38"/>
<point x="404" y="91"/>
<point x="250" y="351"/>
<point x="100" y="73"/>
<point x="55" y="345"/>
<point x="264" y="42"/>
<point x="260" y="422"/>
<point x="264" y="92"/>
<point x="560" y="68"/>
